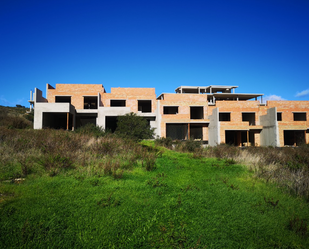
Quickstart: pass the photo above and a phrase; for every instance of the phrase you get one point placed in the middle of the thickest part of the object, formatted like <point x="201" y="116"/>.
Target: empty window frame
<point x="248" y="117"/>
<point x="279" y="116"/>
<point x="63" y="99"/>
<point x="170" y="110"/>
<point x="118" y="102"/>
<point x="224" y="116"/>
<point x="144" y="105"/>
<point x="300" y="116"/>
<point x="196" y="112"/>
<point x="91" y="102"/>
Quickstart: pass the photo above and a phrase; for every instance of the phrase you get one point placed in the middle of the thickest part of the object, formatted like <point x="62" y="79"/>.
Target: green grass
<point x="185" y="202"/>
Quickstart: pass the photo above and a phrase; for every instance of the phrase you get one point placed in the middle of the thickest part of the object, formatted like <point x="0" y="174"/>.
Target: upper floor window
<point x="196" y="112"/>
<point x="279" y="116"/>
<point x="170" y="110"/>
<point x="90" y="102"/>
<point x="249" y="116"/>
<point x="118" y="102"/>
<point x="144" y="105"/>
<point x="300" y="116"/>
<point x="63" y="99"/>
<point x="224" y="116"/>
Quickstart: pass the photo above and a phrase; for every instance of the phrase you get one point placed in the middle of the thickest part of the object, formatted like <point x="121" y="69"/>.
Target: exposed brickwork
<point x="76" y="91"/>
<point x="131" y="95"/>
<point x="238" y="110"/>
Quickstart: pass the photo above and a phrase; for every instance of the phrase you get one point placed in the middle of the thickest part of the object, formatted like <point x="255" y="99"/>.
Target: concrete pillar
<point x="189" y="131"/>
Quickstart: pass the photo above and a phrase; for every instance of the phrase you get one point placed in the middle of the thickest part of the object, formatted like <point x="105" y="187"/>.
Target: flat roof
<point x="234" y="96"/>
<point x="206" y="87"/>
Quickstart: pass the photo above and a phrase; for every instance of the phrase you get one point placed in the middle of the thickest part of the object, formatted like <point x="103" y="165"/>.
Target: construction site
<point x="213" y="114"/>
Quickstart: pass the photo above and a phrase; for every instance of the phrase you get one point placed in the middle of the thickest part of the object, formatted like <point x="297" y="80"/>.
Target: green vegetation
<point x="60" y="189"/>
<point x="134" y="127"/>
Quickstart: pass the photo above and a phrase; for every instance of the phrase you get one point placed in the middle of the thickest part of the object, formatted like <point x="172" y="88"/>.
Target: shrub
<point x="165" y="142"/>
<point x="134" y="127"/>
<point x="91" y="129"/>
<point x="189" y="146"/>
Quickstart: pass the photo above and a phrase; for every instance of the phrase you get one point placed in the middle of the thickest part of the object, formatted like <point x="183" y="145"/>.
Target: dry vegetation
<point x="23" y="152"/>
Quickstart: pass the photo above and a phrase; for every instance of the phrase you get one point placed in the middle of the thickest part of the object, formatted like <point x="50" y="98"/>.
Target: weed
<point x="150" y="161"/>
<point x="110" y="201"/>
<point x="190" y="187"/>
<point x="299" y="226"/>
<point x="271" y="202"/>
<point x="156" y="182"/>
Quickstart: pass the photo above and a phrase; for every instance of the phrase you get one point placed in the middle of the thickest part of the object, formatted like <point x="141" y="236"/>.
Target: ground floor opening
<point x="58" y="120"/>
<point x="294" y="137"/>
<point x="183" y="131"/>
<point x="83" y="119"/>
<point x="111" y="123"/>
<point x="240" y="137"/>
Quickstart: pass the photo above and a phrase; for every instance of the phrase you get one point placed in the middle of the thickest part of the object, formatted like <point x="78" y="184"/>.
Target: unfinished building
<point x="212" y="114"/>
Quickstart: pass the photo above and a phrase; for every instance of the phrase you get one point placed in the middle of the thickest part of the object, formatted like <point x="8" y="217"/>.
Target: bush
<point x="189" y="146"/>
<point x="165" y="142"/>
<point x="92" y="130"/>
<point x="134" y="127"/>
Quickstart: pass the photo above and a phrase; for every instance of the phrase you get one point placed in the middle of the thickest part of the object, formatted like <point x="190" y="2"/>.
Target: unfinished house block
<point x="212" y="114"/>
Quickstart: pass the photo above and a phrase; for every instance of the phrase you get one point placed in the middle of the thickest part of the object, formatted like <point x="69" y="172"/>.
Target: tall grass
<point x="24" y="152"/>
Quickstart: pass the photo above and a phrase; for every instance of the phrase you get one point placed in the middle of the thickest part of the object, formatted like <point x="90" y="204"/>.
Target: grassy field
<point x="70" y="190"/>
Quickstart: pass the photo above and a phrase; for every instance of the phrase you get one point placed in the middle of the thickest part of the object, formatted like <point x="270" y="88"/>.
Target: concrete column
<point x="189" y="131"/>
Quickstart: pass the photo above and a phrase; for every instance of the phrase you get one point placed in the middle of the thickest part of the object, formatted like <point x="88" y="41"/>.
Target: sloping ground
<point x="185" y="202"/>
<point x="15" y="117"/>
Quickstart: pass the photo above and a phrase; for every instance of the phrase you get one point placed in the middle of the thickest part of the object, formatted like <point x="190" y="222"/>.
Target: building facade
<point x="212" y="114"/>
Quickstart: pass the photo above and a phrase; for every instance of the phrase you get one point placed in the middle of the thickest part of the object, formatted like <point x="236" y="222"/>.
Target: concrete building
<point x="213" y="114"/>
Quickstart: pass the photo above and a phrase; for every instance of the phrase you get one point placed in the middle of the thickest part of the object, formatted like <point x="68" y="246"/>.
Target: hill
<point x="15" y="117"/>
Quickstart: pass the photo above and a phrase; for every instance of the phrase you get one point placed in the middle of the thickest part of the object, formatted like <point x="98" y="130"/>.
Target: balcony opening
<point x="223" y="116"/>
<point x="249" y="117"/>
<point x="300" y="116"/>
<point x="279" y="116"/>
<point x="177" y="131"/>
<point x="144" y="105"/>
<point x="63" y="99"/>
<point x="170" y="110"/>
<point x="118" y="102"/>
<point x="91" y="102"/>
<point x="294" y="137"/>
<point x="196" y="112"/>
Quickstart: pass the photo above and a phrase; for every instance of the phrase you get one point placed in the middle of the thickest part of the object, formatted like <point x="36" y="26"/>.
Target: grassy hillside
<point x="62" y="189"/>
<point x="15" y="117"/>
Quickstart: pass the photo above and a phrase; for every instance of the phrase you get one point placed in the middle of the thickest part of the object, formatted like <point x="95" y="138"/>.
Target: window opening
<point x="170" y="110"/>
<point x="300" y="116"/>
<point x="224" y="116"/>
<point x="249" y="117"/>
<point x="279" y="116"/>
<point x="144" y="105"/>
<point x="90" y="102"/>
<point x="63" y="99"/>
<point x="118" y="102"/>
<point x="196" y="112"/>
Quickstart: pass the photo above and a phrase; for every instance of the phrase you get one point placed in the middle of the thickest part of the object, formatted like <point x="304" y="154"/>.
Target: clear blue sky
<point x="262" y="46"/>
